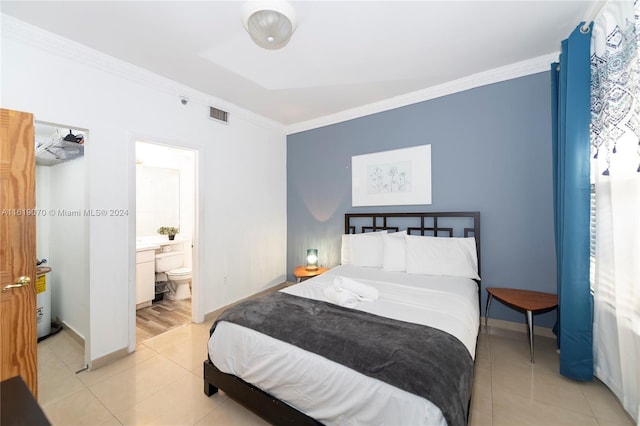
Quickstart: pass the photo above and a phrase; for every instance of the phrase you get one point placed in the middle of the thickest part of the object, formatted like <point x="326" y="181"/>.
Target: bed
<point x="308" y="354"/>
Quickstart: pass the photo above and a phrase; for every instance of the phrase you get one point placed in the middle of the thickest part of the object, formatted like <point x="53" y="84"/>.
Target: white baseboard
<point x="108" y="359"/>
<point x="214" y="314"/>
<point x="144" y="304"/>
<point x="113" y="356"/>
<point x="516" y="326"/>
<point x="72" y="332"/>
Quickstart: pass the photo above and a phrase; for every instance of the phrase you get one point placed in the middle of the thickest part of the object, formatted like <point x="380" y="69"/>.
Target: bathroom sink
<point x="146" y="246"/>
<point x="41" y="270"/>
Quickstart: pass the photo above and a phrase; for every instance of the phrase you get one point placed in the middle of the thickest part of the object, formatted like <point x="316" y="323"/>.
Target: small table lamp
<point x="312" y="259"/>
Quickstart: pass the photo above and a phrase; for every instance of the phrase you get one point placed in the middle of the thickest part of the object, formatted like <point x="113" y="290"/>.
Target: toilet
<point x="170" y="264"/>
<point x="179" y="283"/>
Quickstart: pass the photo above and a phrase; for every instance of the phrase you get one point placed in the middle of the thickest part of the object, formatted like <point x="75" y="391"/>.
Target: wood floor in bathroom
<point x="160" y="317"/>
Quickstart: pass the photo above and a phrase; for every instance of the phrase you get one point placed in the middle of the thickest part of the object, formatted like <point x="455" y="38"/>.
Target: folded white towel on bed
<point x="342" y="298"/>
<point x="363" y="291"/>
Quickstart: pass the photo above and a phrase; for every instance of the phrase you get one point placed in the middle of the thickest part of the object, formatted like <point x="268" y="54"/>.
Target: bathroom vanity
<point x="146" y="254"/>
<point x="145" y="274"/>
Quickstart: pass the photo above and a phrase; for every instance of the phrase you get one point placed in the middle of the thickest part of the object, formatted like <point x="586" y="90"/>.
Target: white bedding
<point x="330" y="392"/>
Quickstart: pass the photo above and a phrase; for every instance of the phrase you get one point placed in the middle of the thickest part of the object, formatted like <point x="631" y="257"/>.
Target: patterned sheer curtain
<point x="615" y="168"/>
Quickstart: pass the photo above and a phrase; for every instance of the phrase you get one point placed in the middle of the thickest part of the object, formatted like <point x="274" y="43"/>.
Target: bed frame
<point x="437" y="224"/>
<point x="451" y="224"/>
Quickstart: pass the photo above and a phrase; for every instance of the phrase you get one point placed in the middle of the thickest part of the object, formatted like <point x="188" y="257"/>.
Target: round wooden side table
<point x="301" y="273"/>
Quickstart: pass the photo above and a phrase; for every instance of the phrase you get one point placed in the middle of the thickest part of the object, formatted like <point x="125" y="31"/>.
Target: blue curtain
<point x="570" y="82"/>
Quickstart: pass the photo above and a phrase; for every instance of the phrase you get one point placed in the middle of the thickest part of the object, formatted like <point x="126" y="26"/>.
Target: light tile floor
<point x="161" y="384"/>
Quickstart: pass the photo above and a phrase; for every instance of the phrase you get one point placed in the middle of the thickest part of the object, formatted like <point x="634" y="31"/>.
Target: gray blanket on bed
<point x="418" y="359"/>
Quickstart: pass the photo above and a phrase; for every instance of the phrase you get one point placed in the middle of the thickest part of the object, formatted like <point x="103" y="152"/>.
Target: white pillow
<point x="394" y="252"/>
<point x="442" y="256"/>
<point x="366" y="250"/>
<point x="346" y="251"/>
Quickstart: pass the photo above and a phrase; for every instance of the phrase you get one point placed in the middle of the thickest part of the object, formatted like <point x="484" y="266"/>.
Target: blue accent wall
<point x="490" y="152"/>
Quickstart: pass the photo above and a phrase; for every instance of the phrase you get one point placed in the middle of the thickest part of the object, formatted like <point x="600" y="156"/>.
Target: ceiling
<point x="343" y="54"/>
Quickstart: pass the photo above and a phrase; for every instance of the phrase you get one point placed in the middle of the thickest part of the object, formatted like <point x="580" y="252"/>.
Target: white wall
<point x="68" y="253"/>
<point x="242" y="189"/>
<point x="187" y="206"/>
<point x="43" y="201"/>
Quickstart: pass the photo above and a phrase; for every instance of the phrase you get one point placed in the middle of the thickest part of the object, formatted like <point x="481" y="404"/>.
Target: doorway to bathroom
<point x="165" y="237"/>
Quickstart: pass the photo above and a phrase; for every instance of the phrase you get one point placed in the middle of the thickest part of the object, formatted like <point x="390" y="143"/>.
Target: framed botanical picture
<point x="397" y="177"/>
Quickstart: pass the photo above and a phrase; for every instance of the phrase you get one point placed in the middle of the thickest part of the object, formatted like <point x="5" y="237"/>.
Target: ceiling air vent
<point x="218" y="115"/>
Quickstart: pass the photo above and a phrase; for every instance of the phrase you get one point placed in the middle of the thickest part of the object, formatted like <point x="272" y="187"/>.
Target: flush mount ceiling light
<point x="269" y="23"/>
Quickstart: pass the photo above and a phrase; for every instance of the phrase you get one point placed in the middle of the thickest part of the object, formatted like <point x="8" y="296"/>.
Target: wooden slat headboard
<point x="439" y="224"/>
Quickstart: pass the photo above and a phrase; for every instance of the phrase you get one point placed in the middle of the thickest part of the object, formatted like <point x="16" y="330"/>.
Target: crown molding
<point x="31" y="35"/>
<point x="25" y="33"/>
<point x="496" y="75"/>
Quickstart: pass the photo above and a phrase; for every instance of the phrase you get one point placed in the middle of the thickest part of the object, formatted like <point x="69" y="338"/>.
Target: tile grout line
<point x="104" y="405"/>
<point x="589" y="404"/>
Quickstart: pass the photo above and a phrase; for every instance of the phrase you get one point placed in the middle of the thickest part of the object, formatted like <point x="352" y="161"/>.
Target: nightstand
<point x="527" y="300"/>
<point x="302" y="274"/>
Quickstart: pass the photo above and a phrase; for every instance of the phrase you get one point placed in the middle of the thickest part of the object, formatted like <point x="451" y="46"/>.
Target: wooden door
<point x="18" y="334"/>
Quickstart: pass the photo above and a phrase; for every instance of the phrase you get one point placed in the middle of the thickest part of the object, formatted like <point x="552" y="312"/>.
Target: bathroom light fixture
<point x="269" y="23"/>
<point x="312" y="259"/>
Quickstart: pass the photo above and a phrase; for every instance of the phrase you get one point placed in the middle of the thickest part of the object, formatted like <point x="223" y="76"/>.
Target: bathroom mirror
<point x="157" y="199"/>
